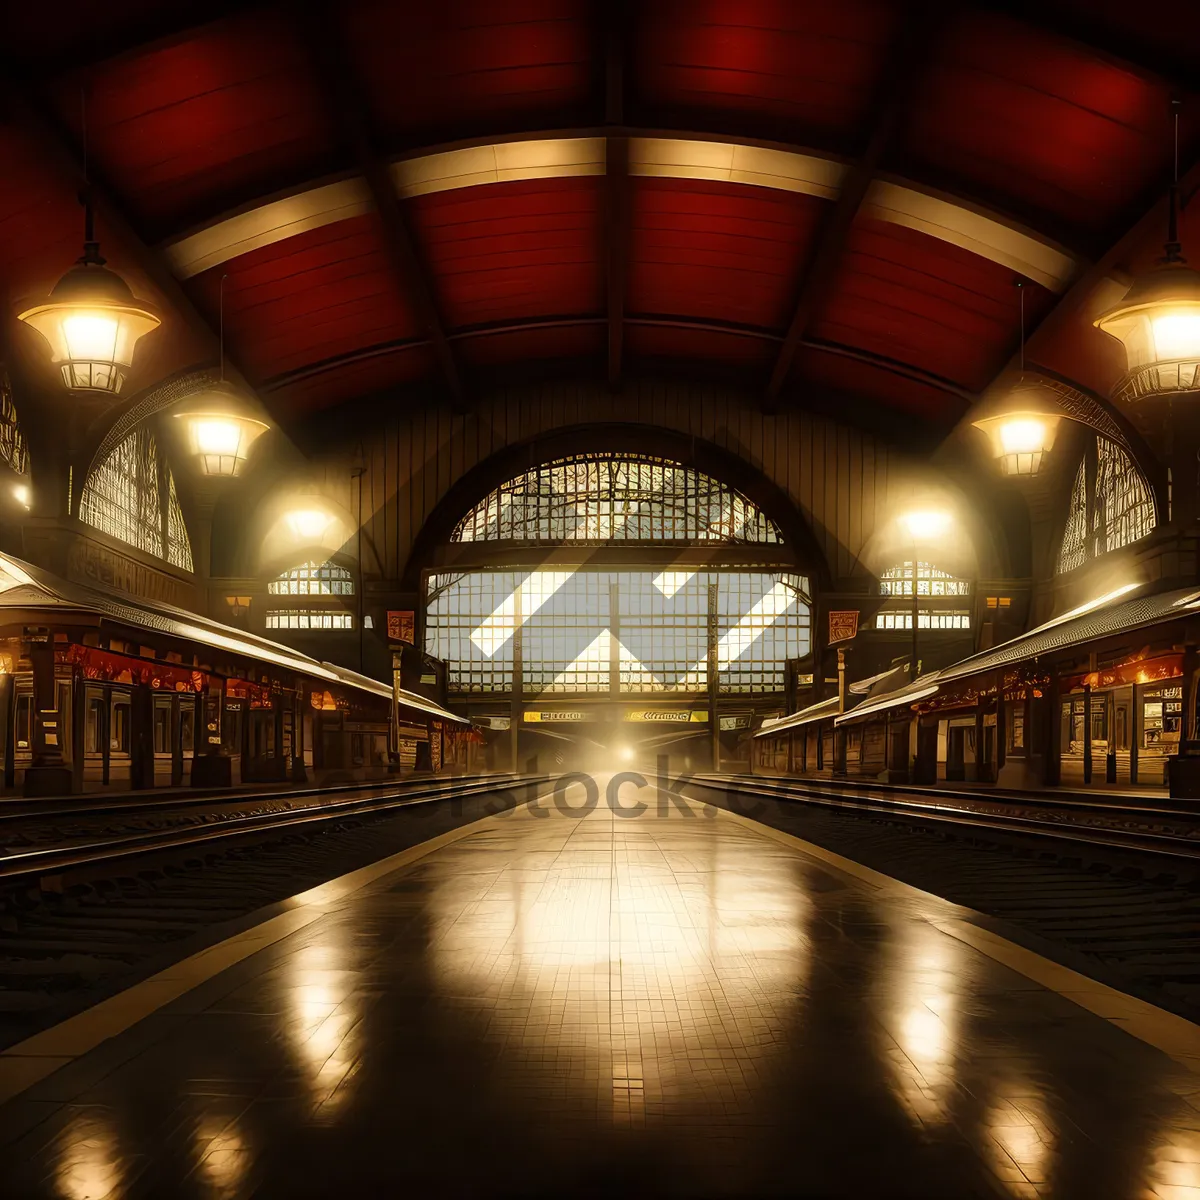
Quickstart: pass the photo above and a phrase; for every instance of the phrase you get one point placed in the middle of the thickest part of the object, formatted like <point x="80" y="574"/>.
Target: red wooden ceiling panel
<point x="798" y="66"/>
<point x="653" y="343"/>
<point x="718" y="251"/>
<point x="41" y="236"/>
<point x="350" y="381"/>
<point x="433" y="69"/>
<point x="817" y="368"/>
<point x="190" y="127"/>
<point x="578" y="342"/>
<point x="909" y="297"/>
<point x="324" y="293"/>
<point x="514" y="251"/>
<point x="1030" y="118"/>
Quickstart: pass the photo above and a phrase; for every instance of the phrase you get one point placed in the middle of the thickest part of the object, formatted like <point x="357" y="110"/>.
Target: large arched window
<point x="306" y="597"/>
<point x="941" y="598"/>
<point x="131" y="496"/>
<point x="615" y="498"/>
<point x="13" y="452"/>
<point x="1111" y="506"/>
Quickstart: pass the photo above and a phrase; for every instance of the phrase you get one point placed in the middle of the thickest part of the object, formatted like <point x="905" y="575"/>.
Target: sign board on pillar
<point x="843" y="626"/>
<point x="401" y="625"/>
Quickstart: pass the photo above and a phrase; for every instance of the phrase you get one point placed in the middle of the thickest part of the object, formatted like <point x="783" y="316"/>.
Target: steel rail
<point x="52" y="861"/>
<point x="153" y="801"/>
<point x="965" y="818"/>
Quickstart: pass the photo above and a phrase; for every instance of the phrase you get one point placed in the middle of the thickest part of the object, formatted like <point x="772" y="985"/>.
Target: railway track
<point x="1119" y="903"/>
<point x="79" y="923"/>
<point x="1155" y="829"/>
<point x="106" y="836"/>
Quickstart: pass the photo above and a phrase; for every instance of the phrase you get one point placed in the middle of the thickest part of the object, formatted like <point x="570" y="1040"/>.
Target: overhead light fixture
<point x="1024" y="432"/>
<point x="1022" y="436"/>
<point x="1158" y="321"/>
<point x="92" y="321"/>
<point x="218" y="431"/>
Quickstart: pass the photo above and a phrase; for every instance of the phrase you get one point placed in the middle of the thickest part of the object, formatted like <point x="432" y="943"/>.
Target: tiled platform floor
<point x="673" y="1004"/>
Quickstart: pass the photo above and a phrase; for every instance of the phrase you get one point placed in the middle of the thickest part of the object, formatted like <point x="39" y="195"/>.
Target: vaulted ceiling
<point x="809" y="196"/>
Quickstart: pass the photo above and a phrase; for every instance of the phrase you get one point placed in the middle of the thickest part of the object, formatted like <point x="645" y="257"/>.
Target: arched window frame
<point x="311" y="597"/>
<point x="14" y="452"/>
<point x="603" y="498"/>
<point x="1111" y="506"/>
<point x="130" y="495"/>
<point x="943" y="599"/>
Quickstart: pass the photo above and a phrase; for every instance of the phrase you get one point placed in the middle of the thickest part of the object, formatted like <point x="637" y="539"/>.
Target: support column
<point x="981" y="763"/>
<point x="714" y="723"/>
<point x="141" y="736"/>
<point x="1087" y="734"/>
<point x="176" y="744"/>
<point x="1136" y="730"/>
<point x="1052" y="767"/>
<point x="516" y="715"/>
<point x="7" y="697"/>
<point x="106" y="737"/>
<point x="78" y="724"/>
<point x="1001" y="727"/>
<point x="48" y="774"/>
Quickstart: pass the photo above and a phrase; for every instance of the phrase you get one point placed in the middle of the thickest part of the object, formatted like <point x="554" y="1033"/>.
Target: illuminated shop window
<point x="942" y="610"/>
<point x="615" y="498"/>
<point x="131" y="496"/>
<point x="1111" y="506"/>
<point x="313" y="579"/>
<point x="308" y="618"/>
<point x="630" y="631"/>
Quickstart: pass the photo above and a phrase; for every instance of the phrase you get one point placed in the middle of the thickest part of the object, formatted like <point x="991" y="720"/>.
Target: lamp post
<point x="922" y="525"/>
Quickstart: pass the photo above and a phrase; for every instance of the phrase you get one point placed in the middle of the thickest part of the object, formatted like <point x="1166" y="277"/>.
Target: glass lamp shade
<point x="92" y="322"/>
<point x="1020" y="438"/>
<point x="218" y="434"/>
<point x="1158" y="323"/>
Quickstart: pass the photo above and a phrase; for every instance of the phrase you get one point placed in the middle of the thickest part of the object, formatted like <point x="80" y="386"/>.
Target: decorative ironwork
<point x="313" y="579"/>
<point x="1074" y="549"/>
<point x="179" y="546"/>
<point x="1115" y="511"/>
<point x="1124" y="507"/>
<point x="13" y="451"/>
<point x="1159" y="379"/>
<point x="938" y="612"/>
<point x="603" y="498"/>
<point x="131" y="496"/>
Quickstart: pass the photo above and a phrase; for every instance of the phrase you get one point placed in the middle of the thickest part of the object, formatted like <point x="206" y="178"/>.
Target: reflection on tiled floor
<point x="673" y="1004"/>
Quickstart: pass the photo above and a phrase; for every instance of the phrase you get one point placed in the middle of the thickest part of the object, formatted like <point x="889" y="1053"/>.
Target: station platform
<point x="681" y="1002"/>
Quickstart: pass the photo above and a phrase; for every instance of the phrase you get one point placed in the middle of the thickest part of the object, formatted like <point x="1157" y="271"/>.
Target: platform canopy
<point x="830" y="201"/>
<point x="27" y="594"/>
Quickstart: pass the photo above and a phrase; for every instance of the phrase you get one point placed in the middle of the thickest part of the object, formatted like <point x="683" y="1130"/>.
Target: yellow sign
<point x="680" y="716"/>
<point x="536" y="718"/>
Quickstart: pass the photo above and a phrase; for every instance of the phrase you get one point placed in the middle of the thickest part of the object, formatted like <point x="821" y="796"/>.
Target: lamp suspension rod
<point x="91" y="247"/>
<point x="221" y="327"/>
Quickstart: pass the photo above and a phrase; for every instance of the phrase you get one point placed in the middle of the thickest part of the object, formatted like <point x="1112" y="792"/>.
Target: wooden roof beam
<point x="910" y="52"/>
<point x="345" y="100"/>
